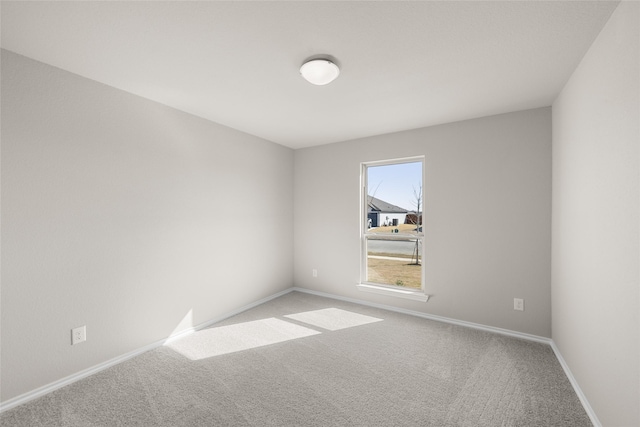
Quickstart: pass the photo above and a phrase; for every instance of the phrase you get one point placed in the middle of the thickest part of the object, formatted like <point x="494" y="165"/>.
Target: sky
<point x="395" y="183"/>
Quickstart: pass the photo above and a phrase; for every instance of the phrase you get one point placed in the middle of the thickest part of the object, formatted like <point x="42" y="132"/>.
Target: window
<point x="392" y="228"/>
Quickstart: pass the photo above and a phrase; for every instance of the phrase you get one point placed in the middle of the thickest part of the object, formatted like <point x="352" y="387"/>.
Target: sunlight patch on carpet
<point x="333" y="319"/>
<point x="242" y="336"/>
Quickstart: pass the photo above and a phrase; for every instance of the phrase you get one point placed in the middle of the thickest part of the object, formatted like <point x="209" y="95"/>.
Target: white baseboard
<point x="41" y="391"/>
<point x="500" y="331"/>
<point x="48" y="388"/>
<point x="576" y="387"/>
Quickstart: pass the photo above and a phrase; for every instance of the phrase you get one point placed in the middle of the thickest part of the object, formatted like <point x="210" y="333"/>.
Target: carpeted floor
<point x="303" y="360"/>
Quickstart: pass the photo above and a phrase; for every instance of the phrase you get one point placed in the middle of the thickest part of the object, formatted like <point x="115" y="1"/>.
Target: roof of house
<point x="382" y="206"/>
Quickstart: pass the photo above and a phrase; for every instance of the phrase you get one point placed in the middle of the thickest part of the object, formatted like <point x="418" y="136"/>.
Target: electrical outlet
<point x="314" y="272"/>
<point x="78" y="335"/>
<point x="518" y="304"/>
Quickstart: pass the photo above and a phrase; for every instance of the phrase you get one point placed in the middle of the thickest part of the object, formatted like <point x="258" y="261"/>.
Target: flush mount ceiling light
<point x="319" y="71"/>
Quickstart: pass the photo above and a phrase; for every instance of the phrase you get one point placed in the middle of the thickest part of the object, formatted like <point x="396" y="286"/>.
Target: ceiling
<point x="404" y="65"/>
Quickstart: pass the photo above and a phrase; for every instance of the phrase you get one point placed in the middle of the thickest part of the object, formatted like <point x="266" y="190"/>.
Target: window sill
<point x="400" y="293"/>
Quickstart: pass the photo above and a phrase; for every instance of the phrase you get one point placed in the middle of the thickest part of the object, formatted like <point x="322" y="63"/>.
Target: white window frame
<point x="365" y="234"/>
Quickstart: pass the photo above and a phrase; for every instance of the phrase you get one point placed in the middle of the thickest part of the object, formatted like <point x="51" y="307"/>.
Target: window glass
<point x="392" y="237"/>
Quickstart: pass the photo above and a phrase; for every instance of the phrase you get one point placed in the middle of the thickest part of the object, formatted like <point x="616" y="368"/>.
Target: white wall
<point x="487" y="217"/>
<point x="127" y="216"/>
<point x="596" y="256"/>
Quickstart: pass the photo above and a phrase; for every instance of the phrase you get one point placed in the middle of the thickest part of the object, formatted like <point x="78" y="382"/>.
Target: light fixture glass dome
<point x="319" y="71"/>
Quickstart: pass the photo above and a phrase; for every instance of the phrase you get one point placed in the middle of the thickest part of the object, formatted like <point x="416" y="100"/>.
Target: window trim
<point x="379" y="288"/>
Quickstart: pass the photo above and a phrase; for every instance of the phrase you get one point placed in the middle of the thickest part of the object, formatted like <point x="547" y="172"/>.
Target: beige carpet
<point x="303" y="360"/>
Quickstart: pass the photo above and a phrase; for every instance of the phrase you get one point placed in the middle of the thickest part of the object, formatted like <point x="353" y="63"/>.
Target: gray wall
<point x="127" y="216"/>
<point x="487" y="217"/>
<point x="596" y="256"/>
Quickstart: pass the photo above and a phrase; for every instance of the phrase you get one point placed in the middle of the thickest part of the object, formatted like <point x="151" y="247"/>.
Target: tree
<point x="417" y="194"/>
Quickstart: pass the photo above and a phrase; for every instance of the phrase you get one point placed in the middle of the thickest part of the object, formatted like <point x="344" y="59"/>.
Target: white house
<point x="382" y="213"/>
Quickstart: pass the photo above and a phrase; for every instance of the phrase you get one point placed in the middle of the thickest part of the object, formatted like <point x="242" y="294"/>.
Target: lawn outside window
<point x="392" y="228"/>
